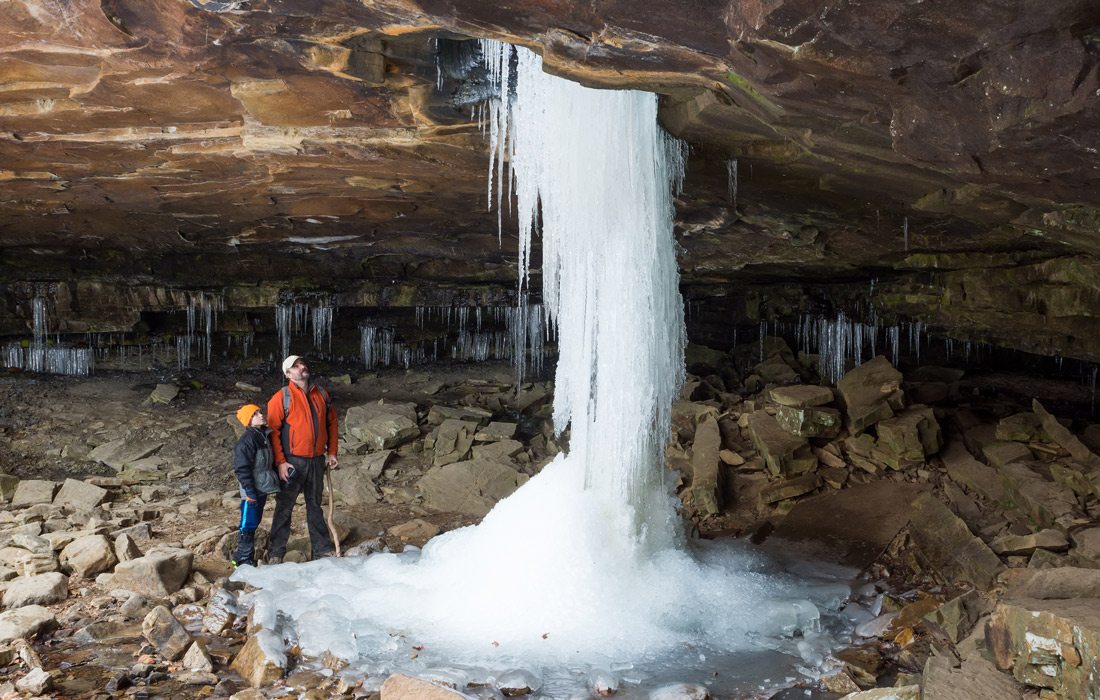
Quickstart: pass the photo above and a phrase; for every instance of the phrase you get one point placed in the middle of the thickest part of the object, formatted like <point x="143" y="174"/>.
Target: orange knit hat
<point x="245" y="413"/>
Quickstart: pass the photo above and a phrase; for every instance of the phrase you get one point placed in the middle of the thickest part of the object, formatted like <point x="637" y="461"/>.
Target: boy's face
<point x="258" y="420"/>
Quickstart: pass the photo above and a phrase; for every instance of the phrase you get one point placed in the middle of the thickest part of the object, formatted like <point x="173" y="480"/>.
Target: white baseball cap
<point x="289" y="362"/>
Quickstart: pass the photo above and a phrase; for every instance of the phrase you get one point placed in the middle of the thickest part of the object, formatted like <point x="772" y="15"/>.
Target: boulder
<point x="974" y="678"/>
<point x="783" y="452"/>
<point x="124" y="452"/>
<point x="802" y="395"/>
<point x="809" y="422"/>
<point x="979" y="479"/>
<point x="31" y="492"/>
<point x="790" y="488"/>
<point x="1086" y="543"/>
<point x="8" y="484"/>
<point x="415" y="532"/>
<point x="1020" y="427"/>
<point x="472" y="487"/>
<point x="158" y="574"/>
<point x="87" y="556"/>
<point x="196" y="658"/>
<point x="381" y="425"/>
<point x="161" y="629"/>
<point x="1062" y="435"/>
<point x="44" y="589"/>
<point x="36" y="681"/>
<point x="125" y="548"/>
<point x="402" y="687"/>
<point x="909" y="438"/>
<point x="164" y="394"/>
<point x="354" y="487"/>
<point x="948" y="545"/>
<point x="25" y="622"/>
<point x="439" y="413"/>
<point x="1001" y="453"/>
<point x="705" y="487"/>
<point x="1052" y="584"/>
<point x="79" y="495"/>
<point x="451" y="441"/>
<point x="774" y="370"/>
<point x="262" y="660"/>
<point x="1051" y="644"/>
<point x="501" y="451"/>
<point x="496" y="430"/>
<point x="870" y="393"/>
<point x="1050" y="539"/>
<point x="1044" y="502"/>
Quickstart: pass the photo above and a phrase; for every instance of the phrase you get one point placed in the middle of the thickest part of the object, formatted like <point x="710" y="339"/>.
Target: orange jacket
<point x="306" y="433"/>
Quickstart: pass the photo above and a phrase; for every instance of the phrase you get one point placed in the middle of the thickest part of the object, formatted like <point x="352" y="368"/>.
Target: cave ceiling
<point x="204" y="143"/>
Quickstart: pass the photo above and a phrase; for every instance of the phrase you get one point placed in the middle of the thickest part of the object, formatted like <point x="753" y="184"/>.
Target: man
<point x="303" y="438"/>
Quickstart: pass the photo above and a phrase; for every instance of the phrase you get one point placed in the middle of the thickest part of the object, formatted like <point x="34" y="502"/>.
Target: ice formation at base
<point x="585" y="567"/>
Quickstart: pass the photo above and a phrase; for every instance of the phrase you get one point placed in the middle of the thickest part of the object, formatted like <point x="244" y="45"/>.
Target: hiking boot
<point x="274" y="560"/>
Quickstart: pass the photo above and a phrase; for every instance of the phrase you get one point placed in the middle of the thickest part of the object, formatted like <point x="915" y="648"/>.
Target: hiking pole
<point x="328" y="516"/>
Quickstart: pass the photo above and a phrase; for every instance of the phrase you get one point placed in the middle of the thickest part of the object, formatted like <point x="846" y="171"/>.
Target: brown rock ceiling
<point x="158" y="142"/>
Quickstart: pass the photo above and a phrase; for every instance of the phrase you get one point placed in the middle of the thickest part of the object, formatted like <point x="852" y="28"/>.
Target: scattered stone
<point x="35" y="682"/>
<point x="976" y="477"/>
<point x="402" y="687"/>
<point x="164" y="394"/>
<point x="415" y="532"/>
<point x="783" y="452"/>
<point x="870" y="393"/>
<point x="353" y="486"/>
<point x="790" y="488"/>
<point x="1049" y="539"/>
<point x="31" y="492"/>
<point x="834" y="477"/>
<point x="1020" y="427"/>
<point x="221" y="612"/>
<point x="1000" y="453"/>
<point x="161" y="629"/>
<point x="245" y="386"/>
<point x="731" y="458"/>
<point x="79" y="495"/>
<point x="262" y="660"/>
<point x="809" y="422"/>
<point x="125" y="548"/>
<point x="122" y="453"/>
<point x="451" y="441"/>
<point x="948" y="545"/>
<point x="1086" y="543"/>
<point x="1049" y="644"/>
<point x="1045" y="502"/>
<point x="909" y="438"/>
<point x="44" y="589"/>
<point x="8" y="484"/>
<point x="802" y="395"/>
<point x="496" y="431"/>
<point x="87" y="556"/>
<point x="196" y="658"/>
<point x="25" y="622"/>
<point x="775" y="371"/>
<point x="158" y="574"/>
<point x="381" y="425"/>
<point x="472" y="487"/>
<point x="439" y="413"/>
<point x="1063" y="437"/>
<point x="501" y="451"/>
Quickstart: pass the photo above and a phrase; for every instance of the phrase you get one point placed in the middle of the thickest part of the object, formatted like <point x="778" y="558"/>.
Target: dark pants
<point x="251" y="513"/>
<point x="309" y="480"/>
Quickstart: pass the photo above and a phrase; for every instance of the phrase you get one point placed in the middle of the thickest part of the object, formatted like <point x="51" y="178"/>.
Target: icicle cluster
<point x="40" y="355"/>
<point x="295" y="312"/>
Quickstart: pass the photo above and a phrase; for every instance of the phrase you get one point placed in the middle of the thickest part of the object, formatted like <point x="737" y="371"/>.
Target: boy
<point x="253" y="463"/>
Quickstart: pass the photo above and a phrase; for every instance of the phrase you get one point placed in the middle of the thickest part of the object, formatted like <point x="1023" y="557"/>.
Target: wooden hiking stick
<point x="328" y="516"/>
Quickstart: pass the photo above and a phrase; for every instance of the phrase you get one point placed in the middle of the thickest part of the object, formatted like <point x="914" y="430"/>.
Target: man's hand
<point x="332" y="462"/>
<point x="284" y="471"/>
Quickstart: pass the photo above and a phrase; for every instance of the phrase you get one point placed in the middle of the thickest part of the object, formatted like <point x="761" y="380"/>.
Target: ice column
<point x="609" y="276"/>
